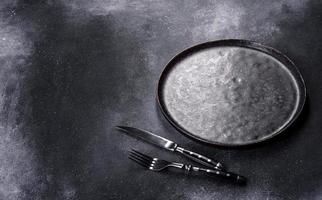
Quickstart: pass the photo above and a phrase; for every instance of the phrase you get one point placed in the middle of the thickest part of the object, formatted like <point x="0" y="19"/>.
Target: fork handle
<point x="217" y="173"/>
<point x="200" y="158"/>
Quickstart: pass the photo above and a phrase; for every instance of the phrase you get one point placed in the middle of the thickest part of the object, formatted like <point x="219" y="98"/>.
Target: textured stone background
<point x="71" y="70"/>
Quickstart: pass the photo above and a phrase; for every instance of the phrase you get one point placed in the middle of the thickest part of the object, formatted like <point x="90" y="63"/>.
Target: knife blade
<point x="169" y="145"/>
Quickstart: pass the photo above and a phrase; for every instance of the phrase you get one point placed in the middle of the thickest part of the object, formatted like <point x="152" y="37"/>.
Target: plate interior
<point x="229" y="94"/>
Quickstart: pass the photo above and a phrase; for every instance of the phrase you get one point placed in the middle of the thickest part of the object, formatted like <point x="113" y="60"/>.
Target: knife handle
<point x="200" y="158"/>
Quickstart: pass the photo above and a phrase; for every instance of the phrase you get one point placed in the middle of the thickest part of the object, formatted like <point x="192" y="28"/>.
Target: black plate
<point x="231" y="92"/>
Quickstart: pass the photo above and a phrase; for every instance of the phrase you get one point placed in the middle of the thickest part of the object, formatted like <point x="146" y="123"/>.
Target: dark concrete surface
<point x="72" y="70"/>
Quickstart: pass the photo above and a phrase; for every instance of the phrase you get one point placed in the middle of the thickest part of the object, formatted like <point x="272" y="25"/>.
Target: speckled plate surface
<point x="231" y="92"/>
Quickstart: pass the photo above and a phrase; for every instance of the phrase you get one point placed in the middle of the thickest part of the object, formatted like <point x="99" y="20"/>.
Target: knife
<point x="169" y="145"/>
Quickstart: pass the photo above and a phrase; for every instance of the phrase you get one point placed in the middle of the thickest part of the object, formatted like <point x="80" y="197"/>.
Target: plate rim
<point x="286" y="61"/>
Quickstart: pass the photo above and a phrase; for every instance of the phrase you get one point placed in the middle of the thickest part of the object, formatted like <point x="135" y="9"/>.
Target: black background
<point x="72" y="70"/>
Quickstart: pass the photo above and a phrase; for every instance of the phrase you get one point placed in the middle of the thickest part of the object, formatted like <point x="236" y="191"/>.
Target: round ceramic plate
<point x="231" y="92"/>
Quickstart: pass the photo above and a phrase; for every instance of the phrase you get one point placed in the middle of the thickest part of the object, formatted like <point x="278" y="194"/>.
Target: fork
<point x="156" y="164"/>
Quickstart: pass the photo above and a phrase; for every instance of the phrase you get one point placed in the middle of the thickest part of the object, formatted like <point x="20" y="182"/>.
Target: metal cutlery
<point x="170" y="145"/>
<point x="156" y="164"/>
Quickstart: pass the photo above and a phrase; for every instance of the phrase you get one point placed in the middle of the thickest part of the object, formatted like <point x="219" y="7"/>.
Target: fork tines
<point x="140" y="158"/>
